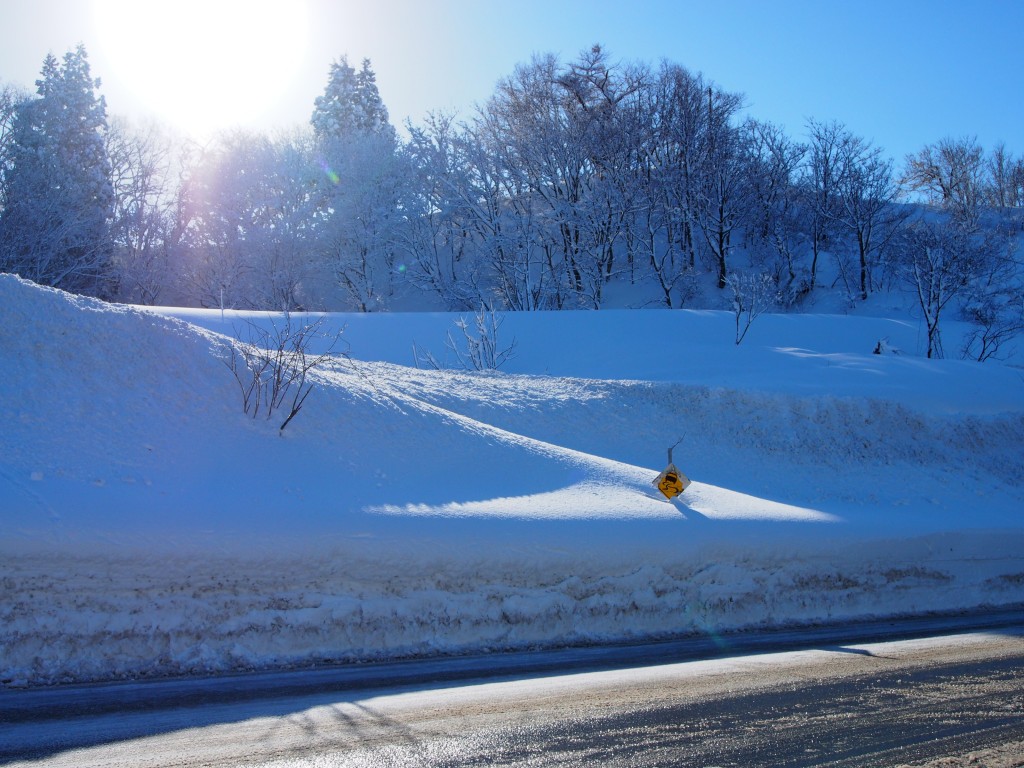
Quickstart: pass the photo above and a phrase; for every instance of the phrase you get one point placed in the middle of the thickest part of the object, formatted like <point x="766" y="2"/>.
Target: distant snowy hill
<point x="148" y="526"/>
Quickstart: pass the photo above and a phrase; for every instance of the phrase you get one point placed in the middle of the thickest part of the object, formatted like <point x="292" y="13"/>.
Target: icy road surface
<point x="939" y="701"/>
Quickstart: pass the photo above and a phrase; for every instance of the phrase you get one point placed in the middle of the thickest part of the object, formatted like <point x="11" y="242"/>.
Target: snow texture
<point x="149" y="527"/>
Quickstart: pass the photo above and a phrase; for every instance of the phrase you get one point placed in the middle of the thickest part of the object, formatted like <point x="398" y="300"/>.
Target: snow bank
<point x="75" y="618"/>
<point x="147" y="526"/>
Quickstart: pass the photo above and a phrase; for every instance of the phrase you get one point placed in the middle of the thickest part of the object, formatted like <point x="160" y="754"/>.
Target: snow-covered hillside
<point x="147" y="526"/>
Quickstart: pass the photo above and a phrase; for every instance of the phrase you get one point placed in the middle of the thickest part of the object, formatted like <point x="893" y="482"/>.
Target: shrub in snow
<point x="997" y="316"/>
<point x="751" y="296"/>
<point x="272" y="367"/>
<point x="479" y="350"/>
<point x="883" y="347"/>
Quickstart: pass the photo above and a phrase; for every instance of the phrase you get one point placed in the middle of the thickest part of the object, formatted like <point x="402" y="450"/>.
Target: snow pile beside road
<point x="147" y="526"/>
<point x="99" y="617"/>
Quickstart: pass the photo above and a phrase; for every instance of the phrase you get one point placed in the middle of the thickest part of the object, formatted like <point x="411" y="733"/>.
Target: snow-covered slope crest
<point x="96" y="396"/>
<point x="129" y="425"/>
<point x="147" y="526"/>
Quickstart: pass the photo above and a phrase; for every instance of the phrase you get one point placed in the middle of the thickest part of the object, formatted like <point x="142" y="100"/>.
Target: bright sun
<point x="203" y="65"/>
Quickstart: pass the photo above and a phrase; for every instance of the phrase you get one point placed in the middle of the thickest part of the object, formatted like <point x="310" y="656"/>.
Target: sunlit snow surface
<point x="147" y="526"/>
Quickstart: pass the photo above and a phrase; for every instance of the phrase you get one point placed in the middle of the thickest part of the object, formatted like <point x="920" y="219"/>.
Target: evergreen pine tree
<point x="334" y="113"/>
<point x="357" y="196"/>
<point x="373" y="115"/>
<point x="54" y="228"/>
<point x="350" y="105"/>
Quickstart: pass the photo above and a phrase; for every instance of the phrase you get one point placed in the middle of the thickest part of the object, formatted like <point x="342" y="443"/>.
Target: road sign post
<point x="672" y="482"/>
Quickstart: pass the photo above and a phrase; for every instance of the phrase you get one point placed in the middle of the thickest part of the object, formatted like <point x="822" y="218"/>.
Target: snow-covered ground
<point x="148" y="526"/>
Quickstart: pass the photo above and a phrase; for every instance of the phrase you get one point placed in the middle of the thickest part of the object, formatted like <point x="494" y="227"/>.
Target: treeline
<point x="571" y="177"/>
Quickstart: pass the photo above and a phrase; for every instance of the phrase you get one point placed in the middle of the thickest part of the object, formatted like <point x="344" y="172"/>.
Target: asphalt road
<point x="834" y="696"/>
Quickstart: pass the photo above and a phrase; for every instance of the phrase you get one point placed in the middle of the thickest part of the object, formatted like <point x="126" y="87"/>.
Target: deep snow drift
<point x="148" y="526"/>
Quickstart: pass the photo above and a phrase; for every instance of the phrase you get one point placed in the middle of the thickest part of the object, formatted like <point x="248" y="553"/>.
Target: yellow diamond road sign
<point x="672" y="482"/>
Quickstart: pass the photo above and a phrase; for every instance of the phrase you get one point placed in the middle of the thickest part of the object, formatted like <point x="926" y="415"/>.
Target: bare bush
<point x="752" y="295"/>
<point x="478" y="349"/>
<point x="272" y="366"/>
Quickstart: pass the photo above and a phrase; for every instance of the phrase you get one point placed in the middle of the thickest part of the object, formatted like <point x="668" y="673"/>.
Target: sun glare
<point x="203" y="65"/>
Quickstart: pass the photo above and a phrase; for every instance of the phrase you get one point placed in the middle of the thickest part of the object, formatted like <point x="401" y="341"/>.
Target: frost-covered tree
<point x="604" y="114"/>
<point x="865" y="211"/>
<point x="1005" y="188"/>
<point x="248" y="204"/>
<point x="359" y="186"/>
<point x="773" y="161"/>
<point x="141" y="159"/>
<point x="941" y="261"/>
<point x="723" y="199"/>
<point x="373" y="113"/>
<point x="752" y="296"/>
<point x="337" y="111"/>
<point x="667" y="224"/>
<point x="212" y="214"/>
<point x="559" y="179"/>
<point x="996" y="312"/>
<point x="525" y="159"/>
<point x="54" y="227"/>
<point x="819" y="189"/>
<point x="358" y="216"/>
<point x="350" y="104"/>
<point x="950" y="173"/>
<point x="10" y="98"/>
<point x="438" y="237"/>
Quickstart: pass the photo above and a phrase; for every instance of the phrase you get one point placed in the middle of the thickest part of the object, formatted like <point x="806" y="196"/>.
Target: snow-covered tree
<point x="865" y="211"/>
<point x="357" y="219"/>
<point x="435" y="239"/>
<point x="950" y="173"/>
<point x="350" y="104"/>
<point x="141" y="158"/>
<point x="374" y="115"/>
<point x="212" y="211"/>
<point x="944" y="260"/>
<point x="10" y="98"/>
<point x="607" y="113"/>
<point x="666" y="223"/>
<point x="359" y="185"/>
<point x="54" y="227"/>
<point x="773" y="160"/>
<point x="723" y="199"/>
<point x="248" y="205"/>
<point x="562" y="146"/>
<point x="996" y="312"/>
<point x="525" y="158"/>
<point x="819" y="189"/>
<point x="1005" y="187"/>
<point x="752" y="296"/>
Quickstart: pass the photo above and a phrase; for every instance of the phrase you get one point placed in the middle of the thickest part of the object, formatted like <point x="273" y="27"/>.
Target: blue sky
<point x="902" y="73"/>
